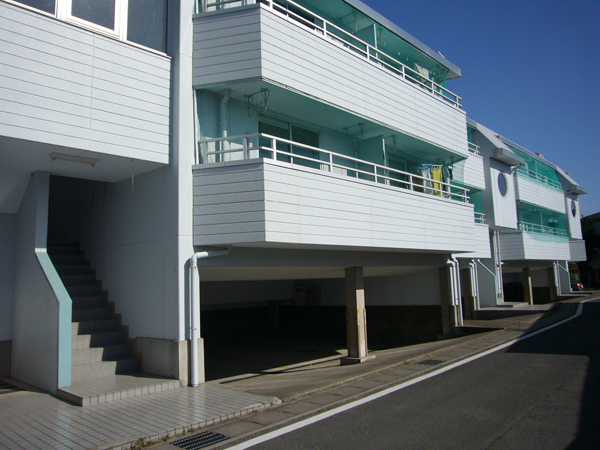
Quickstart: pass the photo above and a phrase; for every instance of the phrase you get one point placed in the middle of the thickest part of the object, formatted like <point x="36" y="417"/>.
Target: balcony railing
<point x="323" y="28"/>
<point x="474" y="148"/>
<point x="550" y="184"/>
<point x="542" y="229"/>
<point x="254" y="146"/>
<point x="479" y="217"/>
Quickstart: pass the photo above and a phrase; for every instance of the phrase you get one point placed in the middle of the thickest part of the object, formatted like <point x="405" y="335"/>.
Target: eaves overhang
<point x="507" y="157"/>
<point x="454" y="71"/>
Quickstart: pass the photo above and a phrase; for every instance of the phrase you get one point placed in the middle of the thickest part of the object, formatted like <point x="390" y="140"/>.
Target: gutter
<point x="195" y="306"/>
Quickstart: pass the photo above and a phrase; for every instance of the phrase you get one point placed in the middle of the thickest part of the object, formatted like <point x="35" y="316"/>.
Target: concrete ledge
<point x="164" y="357"/>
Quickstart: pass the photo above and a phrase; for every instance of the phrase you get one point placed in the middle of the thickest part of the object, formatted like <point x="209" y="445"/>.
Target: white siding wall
<point x="577" y="250"/>
<point x="470" y="172"/>
<point x="269" y="202"/>
<point x="573" y="221"/>
<point x="522" y="246"/>
<point x="66" y="86"/>
<point x="268" y="46"/>
<point x="481" y="239"/>
<point x="534" y="193"/>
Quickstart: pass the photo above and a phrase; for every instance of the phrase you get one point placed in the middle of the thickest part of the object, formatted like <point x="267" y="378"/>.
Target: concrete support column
<point x="527" y="286"/>
<point x="356" y="314"/>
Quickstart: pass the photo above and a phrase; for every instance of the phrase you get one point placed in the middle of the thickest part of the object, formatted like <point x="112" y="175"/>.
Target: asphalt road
<point x="542" y="393"/>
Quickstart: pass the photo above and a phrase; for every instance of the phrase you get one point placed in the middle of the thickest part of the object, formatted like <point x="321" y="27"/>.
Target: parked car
<point x="577" y="286"/>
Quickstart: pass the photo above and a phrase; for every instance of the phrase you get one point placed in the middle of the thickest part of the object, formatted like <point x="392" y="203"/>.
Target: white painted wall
<point x="70" y="87"/>
<point x="8" y="239"/>
<point x="573" y="220"/>
<point x="535" y="193"/>
<point x="269" y="201"/>
<point x="42" y="308"/>
<point x="257" y="43"/>
<point x="501" y="211"/>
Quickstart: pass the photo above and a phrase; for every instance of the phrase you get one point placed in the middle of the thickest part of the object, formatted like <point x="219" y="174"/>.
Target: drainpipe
<point x="224" y="105"/>
<point x="454" y="266"/>
<point x="195" y="306"/>
<point x="475" y="283"/>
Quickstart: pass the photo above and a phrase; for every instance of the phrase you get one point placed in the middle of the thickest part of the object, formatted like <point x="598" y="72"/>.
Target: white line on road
<point x="317" y="418"/>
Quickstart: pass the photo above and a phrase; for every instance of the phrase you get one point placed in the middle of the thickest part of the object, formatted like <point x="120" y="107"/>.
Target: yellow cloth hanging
<point x="437" y="175"/>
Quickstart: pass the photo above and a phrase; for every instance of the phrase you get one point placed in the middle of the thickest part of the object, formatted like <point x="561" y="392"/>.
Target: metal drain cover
<point x="200" y="440"/>
<point x="431" y="362"/>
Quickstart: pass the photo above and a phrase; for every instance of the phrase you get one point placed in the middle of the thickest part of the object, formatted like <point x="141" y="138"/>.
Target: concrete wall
<point x="8" y="234"/>
<point x="71" y="87"/>
<point x="42" y="307"/>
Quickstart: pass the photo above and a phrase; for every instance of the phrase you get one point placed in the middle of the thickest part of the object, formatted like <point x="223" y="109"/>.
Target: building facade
<point x="179" y="174"/>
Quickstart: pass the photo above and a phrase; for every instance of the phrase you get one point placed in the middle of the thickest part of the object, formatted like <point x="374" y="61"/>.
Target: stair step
<point x="94" y="327"/>
<point x="70" y="260"/>
<point x="84" y="291"/>
<point x="75" y="269"/>
<point x="91" y="314"/>
<point x="97" y="339"/>
<point x="103" y="368"/>
<point x="79" y="280"/>
<point x="114" y="388"/>
<point x="99" y="354"/>
<point x="88" y="302"/>
<point x="63" y="250"/>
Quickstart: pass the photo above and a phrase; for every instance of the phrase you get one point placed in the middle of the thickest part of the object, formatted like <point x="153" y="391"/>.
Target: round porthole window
<point x="502" y="184"/>
<point x="573" y="208"/>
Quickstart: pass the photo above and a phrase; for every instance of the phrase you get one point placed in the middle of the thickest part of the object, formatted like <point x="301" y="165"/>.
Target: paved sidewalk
<point x="32" y="420"/>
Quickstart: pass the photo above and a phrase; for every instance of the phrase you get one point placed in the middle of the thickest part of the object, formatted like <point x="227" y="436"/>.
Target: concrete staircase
<point x="103" y="367"/>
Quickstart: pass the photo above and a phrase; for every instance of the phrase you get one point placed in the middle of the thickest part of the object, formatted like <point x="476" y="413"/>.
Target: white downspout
<point x="224" y="121"/>
<point x="454" y="267"/>
<point x="195" y="306"/>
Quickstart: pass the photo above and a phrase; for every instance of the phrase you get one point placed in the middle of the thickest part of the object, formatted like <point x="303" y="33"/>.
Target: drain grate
<point x="431" y="362"/>
<point x="200" y="440"/>
<point x="6" y="387"/>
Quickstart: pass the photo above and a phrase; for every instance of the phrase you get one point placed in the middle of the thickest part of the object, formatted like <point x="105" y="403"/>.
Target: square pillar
<point x="356" y="317"/>
<point x="554" y="283"/>
<point x="527" y="287"/>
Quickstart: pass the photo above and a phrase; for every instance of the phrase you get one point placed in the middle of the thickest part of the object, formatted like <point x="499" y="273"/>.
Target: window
<point x="143" y="22"/>
<point x="502" y="184"/>
<point x="573" y="208"/>
<point x="294" y="133"/>
<point x="48" y="6"/>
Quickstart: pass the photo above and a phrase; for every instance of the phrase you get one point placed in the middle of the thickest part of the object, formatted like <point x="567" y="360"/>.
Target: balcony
<point x="538" y="190"/>
<point x="535" y="242"/>
<point x="303" y="56"/>
<point x="262" y="190"/>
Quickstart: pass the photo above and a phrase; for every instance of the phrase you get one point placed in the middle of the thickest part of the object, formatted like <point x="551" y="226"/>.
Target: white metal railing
<point x="552" y="184"/>
<point x="479" y="217"/>
<point x="474" y="148"/>
<point x="326" y="29"/>
<point x="542" y="229"/>
<point x="260" y="145"/>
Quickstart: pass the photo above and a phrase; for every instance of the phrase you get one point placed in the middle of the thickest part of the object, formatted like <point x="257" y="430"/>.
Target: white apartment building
<point x="178" y="174"/>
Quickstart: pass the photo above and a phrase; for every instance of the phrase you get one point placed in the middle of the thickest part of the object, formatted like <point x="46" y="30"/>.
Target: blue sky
<point x="530" y="71"/>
